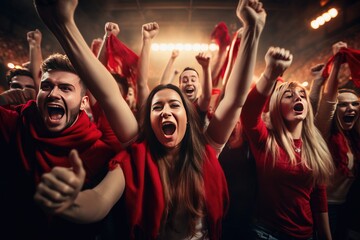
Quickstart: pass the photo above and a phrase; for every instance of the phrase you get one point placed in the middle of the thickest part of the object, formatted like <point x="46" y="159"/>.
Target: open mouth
<point x="349" y="118"/>
<point x="298" y="107"/>
<point x="56" y="112"/>
<point x="189" y="90"/>
<point x="168" y="128"/>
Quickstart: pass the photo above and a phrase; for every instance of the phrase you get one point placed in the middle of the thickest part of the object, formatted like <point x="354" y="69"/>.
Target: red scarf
<point x="352" y="57"/>
<point x="41" y="150"/>
<point x="144" y="198"/>
<point x="221" y="36"/>
<point x="121" y="59"/>
<point x="339" y="150"/>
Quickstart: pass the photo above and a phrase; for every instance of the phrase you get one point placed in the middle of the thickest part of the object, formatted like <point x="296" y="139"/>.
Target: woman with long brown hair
<point x="168" y="175"/>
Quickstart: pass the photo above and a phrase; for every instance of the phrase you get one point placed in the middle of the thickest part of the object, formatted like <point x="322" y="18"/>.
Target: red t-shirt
<point x="286" y="196"/>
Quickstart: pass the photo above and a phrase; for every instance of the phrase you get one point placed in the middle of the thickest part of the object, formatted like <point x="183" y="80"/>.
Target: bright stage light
<point x="195" y="47"/>
<point x="324" y="18"/>
<point x="314" y="24"/>
<point x="333" y="12"/>
<point x="11" y="65"/>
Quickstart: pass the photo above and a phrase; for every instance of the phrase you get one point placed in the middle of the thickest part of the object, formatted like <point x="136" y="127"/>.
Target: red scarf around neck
<point x="144" y="197"/>
<point x="41" y="150"/>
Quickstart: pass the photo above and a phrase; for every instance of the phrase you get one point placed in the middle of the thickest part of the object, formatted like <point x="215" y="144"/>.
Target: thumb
<point x="76" y="164"/>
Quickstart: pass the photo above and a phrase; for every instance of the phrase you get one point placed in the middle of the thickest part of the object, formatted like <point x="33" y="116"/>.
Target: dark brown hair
<point x="182" y="179"/>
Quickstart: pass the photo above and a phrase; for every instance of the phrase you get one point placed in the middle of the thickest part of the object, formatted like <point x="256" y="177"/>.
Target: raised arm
<point x="329" y="96"/>
<point x="206" y="82"/>
<point x="331" y="86"/>
<point x="277" y="61"/>
<point x="35" y="55"/>
<point x="59" y="18"/>
<point x="316" y="86"/>
<point x="110" y="28"/>
<point x="99" y="49"/>
<point x="228" y="112"/>
<point x="168" y="73"/>
<point x="59" y="192"/>
<point x="149" y="31"/>
<point x="17" y="96"/>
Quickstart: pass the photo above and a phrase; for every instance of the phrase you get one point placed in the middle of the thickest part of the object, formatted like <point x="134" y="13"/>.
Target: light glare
<point x="333" y="12"/>
<point x="314" y="24"/>
<point x="196" y="47"/>
<point x="11" y="65"/>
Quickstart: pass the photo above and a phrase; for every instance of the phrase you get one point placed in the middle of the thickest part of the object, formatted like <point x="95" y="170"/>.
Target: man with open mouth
<point x="37" y="136"/>
<point x="190" y="85"/>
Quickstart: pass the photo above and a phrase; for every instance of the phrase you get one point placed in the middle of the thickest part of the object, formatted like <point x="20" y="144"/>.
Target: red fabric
<point x="352" y="57"/>
<point x="41" y="150"/>
<point x="104" y="126"/>
<point x="339" y="149"/>
<point x="144" y="198"/>
<point x="215" y="91"/>
<point x="121" y="59"/>
<point x="286" y="198"/>
<point x="221" y="35"/>
<point x="235" y="49"/>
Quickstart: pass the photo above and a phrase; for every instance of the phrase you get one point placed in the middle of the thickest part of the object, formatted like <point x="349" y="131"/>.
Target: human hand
<point x="150" y="30"/>
<point x="175" y="53"/>
<point x="111" y="28"/>
<point x="56" y="12"/>
<point x="95" y="45"/>
<point x="251" y="13"/>
<point x="34" y="38"/>
<point x="18" y="96"/>
<point x="203" y="59"/>
<point x="337" y="46"/>
<point x="59" y="188"/>
<point x="277" y="61"/>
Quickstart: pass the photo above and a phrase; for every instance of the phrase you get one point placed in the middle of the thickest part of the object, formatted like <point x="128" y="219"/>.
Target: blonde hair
<point x="315" y="153"/>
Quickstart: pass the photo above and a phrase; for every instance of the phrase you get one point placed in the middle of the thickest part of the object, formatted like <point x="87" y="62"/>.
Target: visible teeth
<point x="56" y="112"/>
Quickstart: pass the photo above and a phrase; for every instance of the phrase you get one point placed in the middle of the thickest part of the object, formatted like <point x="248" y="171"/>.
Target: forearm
<point x="84" y="210"/>
<point x="94" y="204"/>
<point x="168" y="73"/>
<point x="228" y="111"/>
<point x="324" y="117"/>
<point x="314" y="94"/>
<point x="331" y="86"/>
<point x="93" y="73"/>
<point x="323" y="226"/>
<point x="243" y="70"/>
<point x="102" y="51"/>
<point x="143" y="72"/>
<point x="206" y="86"/>
<point x="35" y="63"/>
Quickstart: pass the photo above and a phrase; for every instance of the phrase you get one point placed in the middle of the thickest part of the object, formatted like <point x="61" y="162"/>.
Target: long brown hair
<point x="182" y="180"/>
